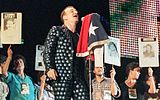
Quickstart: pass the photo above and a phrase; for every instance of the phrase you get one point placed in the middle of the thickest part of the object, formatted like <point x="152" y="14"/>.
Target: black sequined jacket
<point x="59" y="54"/>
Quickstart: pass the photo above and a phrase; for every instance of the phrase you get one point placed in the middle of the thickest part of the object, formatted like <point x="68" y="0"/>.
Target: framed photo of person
<point x="112" y="53"/>
<point x="148" y="52"/>
<point x="11" y="27"/>
<point x="39" y="64"/>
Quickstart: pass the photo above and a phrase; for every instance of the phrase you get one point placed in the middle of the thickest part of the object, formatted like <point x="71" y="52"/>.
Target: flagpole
<point x="90" y="77"/>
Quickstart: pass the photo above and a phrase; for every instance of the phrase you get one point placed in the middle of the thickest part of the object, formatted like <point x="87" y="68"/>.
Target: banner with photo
<point x="148" y="52"/>
<point x="11" y="27"/>
<point x="112" y="53"/>
<point x="39" y="64"/>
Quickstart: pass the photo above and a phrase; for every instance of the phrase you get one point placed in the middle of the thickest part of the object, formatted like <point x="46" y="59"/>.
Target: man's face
<point x="19" y="64"/>
<point x="98" y="71"/>
<point x="112" y="47"/>
<point x="10" y="24"/>
<point x="135" y="73"/>
<point x="148" y="48"/>
<point x="71" y="15"/>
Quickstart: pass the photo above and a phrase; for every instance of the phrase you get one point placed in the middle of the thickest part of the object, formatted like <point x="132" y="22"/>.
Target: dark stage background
<point x="38" y="16"/>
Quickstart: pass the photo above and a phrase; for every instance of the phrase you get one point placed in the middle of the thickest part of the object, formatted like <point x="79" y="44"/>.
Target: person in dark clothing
<point x="63" y="67"/>
<point x="133" y="89"/>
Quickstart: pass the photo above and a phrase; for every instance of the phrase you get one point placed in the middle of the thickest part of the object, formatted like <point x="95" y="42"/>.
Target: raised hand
<point x="43" y="78"/>
<point x="52" y="74"/>
<point x="112" y="73"/>
<point x="150" y="71"/>
<point x="9" y="52"/>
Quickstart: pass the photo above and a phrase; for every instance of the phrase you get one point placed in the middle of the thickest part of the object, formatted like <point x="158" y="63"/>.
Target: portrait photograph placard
<point x="112" y="53"/>
<point x="11" y="27"/>
<point x="148" y="52"/>
<point x="39" y="64"/>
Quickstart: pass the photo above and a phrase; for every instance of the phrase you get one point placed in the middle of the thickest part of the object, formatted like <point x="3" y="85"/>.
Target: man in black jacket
<point x="66" y="70"/>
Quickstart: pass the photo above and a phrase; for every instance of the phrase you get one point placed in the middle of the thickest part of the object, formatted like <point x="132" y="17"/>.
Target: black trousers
<point x="66" y="89"/>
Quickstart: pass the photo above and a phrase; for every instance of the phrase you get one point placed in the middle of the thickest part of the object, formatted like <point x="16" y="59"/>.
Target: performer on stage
<point x="104" y="88"/>
<point x="20" y="85"/>
<point x="133" y="89"/>
<point x="66" y="70"/>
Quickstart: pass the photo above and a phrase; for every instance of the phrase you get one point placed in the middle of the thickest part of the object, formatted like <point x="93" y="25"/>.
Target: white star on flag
<point x="91" y="29"/>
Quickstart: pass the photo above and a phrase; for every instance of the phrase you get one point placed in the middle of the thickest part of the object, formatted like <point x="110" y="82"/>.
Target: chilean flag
<point x="92" y="34"/>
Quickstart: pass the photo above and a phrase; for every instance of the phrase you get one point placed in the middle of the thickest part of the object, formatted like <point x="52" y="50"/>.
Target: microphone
<point x="82" y="18"/>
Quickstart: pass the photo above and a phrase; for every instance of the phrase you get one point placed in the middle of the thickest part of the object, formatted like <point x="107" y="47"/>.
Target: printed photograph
<point x="112" y="51"/>
<point x="39" y="65"/>
<point x="11" y="23"/>
<point x="148" y="52"/>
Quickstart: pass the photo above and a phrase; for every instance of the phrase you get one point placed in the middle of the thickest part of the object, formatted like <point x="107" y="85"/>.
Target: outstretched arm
<point x="7" y="62"/>
<point x="115" y="90"/>
<point x="152" y="86"/>
<point x="42" y="85"/>
<point x="48" y="54"/>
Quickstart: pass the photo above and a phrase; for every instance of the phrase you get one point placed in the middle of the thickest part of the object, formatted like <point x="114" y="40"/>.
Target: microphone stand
<point x="90" y="77"/>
